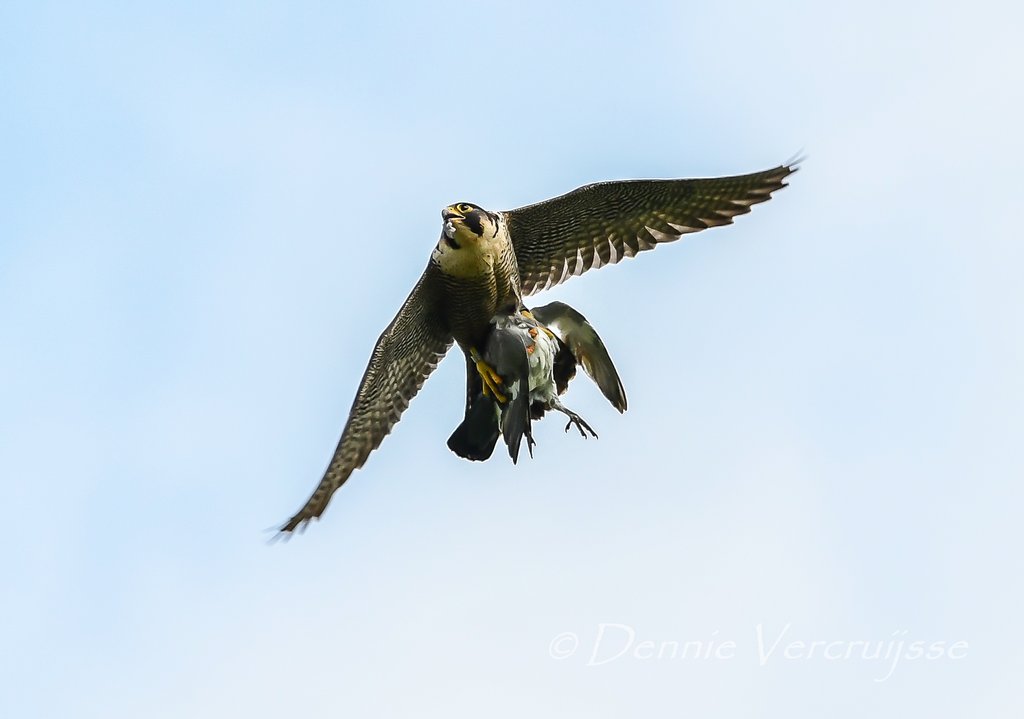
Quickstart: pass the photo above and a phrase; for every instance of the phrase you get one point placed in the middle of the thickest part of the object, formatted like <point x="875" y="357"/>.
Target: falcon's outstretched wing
<point x="406" y="353"/>
<point x="599" y="224"/>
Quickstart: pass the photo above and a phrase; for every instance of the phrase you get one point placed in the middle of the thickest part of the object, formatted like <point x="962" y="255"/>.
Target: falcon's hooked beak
<point x="451" y="215"/>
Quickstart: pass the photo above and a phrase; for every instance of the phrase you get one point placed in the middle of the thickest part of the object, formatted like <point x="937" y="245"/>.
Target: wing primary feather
<point x="613" y="220"/>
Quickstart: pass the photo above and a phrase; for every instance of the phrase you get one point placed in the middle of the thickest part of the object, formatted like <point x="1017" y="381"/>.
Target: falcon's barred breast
<point x="485" y="262"/>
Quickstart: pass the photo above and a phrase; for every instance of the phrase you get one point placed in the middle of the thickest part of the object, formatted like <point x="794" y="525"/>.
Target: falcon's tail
<point x="475" y="438"/>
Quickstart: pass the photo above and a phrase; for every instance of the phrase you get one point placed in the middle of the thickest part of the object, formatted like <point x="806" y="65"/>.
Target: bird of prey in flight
<point x="486" y="262"/>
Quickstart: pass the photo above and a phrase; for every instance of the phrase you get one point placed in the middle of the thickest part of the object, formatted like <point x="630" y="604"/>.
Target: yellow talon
<point x="490" y="378"/>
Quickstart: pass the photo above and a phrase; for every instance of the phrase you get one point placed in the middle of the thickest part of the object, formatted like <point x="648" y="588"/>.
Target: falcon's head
<point x="466" y="223"/>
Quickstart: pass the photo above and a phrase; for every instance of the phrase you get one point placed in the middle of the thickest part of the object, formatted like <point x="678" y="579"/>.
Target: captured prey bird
<point x="535" y="354"/>
<point x="486" y="262"/>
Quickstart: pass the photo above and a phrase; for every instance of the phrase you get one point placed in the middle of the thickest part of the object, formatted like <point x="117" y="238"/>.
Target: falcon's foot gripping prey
<point x="489" y="377"/>
<point x="485" y="262"/>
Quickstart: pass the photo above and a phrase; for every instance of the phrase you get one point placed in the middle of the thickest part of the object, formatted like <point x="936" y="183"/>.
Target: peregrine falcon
<point x="535" y="360"/>
<point x="485" y="263"/>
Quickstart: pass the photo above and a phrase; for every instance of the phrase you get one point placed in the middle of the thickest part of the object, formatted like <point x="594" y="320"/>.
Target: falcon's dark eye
<point x="463" y="207"/>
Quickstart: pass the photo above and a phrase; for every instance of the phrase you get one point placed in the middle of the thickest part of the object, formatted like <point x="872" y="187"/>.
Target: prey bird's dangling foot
<point x="574" y="419"/>
<point x="491" y="379"/>
<point x="530" y="443"/>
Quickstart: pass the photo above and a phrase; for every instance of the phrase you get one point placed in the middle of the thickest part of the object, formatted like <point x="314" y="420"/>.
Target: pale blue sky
<point x="208" y="215"/>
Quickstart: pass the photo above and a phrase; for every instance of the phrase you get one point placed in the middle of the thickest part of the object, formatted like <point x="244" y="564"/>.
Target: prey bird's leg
<point x="574" y="419"/>
<point x="489" y="376"/>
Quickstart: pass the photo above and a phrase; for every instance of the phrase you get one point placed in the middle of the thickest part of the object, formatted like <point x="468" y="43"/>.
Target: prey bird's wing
<point x="404" y="356"/>
<point x="599" y="224"/>
<point x="586" y="346"/>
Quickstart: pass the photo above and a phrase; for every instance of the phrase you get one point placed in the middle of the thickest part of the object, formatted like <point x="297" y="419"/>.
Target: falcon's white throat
<point x="475" y="255"/>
